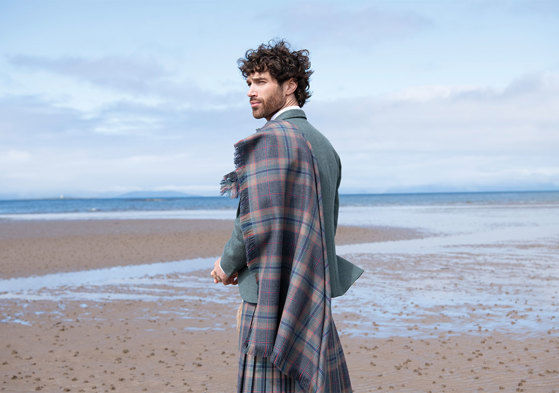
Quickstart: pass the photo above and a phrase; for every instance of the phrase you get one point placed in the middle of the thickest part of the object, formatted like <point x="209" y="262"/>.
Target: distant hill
<point x="154" y="194"/>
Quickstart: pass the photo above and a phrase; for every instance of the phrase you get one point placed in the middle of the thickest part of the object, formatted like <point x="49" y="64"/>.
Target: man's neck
<point x="285" y="109"/>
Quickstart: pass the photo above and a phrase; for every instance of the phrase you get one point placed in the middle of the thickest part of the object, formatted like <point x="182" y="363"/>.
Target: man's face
<point x="266" y="95"/>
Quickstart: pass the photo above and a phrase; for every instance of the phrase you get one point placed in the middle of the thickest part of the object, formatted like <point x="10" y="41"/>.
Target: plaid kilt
<point x="258" y="374"/>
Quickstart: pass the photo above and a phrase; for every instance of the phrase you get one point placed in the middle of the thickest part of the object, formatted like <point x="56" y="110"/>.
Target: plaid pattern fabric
<point x="281" y="219"/>
<point x="258" y="374"/>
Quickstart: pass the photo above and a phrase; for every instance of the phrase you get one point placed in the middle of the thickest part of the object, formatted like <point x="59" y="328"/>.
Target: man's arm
<point x="234" y="257"/>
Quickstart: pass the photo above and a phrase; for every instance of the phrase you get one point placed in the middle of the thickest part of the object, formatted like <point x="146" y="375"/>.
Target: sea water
<point x="115" y="208"/>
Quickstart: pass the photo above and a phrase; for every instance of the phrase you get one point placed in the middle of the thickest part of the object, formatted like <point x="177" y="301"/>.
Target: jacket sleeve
<point x="233" y="258"/>
<point x="337" y="199"/>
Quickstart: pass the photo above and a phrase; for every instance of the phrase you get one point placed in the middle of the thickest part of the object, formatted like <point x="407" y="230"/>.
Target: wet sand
<point x="183" y="338"/>
<point x="133" y="347"/>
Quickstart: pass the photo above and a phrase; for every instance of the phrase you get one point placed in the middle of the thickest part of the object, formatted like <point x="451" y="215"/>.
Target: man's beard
<point x="270" y="106"/>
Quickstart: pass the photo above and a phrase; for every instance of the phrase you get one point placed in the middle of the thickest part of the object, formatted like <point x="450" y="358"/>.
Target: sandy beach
<point x="175" y="332"/>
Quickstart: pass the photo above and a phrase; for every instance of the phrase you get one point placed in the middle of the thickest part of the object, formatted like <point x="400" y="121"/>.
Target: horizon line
<point x="123" y="196"/>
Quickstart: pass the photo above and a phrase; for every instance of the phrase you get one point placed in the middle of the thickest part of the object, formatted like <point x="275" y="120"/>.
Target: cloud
<point x="14" y="156"/>
<point x="323" y="24"/>
<point x="47" y="149"/>
<point x="136" y="77"/>
<point x="426" y="137"/>
<point x="115" y="72"/>
<point x="547" y="8"/>
<point x="27" y="121"/>
<point x="544" y="82"/>
<point x="445" y="135"/>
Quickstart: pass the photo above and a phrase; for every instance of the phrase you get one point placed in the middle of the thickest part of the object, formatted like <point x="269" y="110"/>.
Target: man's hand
<point x="220" y="276"/>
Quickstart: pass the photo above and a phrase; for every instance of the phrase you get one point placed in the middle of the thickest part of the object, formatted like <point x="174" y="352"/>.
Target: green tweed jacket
<point x="342" y="272"/>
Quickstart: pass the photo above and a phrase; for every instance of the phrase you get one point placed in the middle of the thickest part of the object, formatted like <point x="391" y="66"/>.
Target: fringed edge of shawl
<point x="240" y="156"/>
<point x="233" y="185"/>
<point x="303" y="379"/>
<point x="229" y="185"/>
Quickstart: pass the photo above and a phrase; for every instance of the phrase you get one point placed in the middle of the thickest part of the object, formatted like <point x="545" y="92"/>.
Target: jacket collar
<point x="292" y="114"/>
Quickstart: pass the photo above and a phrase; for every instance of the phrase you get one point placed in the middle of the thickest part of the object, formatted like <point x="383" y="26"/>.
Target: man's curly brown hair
<point x="282" y="63"/>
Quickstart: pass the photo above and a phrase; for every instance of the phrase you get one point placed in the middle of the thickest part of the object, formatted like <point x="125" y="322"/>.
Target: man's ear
<point x="289" y="86"/>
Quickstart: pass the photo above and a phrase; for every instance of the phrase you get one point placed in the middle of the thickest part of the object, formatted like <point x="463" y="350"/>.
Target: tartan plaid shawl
<point x="281" y="218"/>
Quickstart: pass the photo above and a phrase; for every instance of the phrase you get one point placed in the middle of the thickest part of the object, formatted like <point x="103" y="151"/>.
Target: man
<point x="282" y="252"/>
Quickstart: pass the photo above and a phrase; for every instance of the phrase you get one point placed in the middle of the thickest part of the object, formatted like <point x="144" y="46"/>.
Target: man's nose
<point x="251" y="92"/>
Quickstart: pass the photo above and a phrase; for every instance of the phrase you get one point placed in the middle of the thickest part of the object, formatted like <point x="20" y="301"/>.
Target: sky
<point x="100" y="98"/>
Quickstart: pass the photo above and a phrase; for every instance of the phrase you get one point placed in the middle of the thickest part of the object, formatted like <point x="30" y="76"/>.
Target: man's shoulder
<point x="294" y="124"/>
<point x="275" y="132"/>
<point x="298" y="120"/>
<point x="276" y="126"/>
<point x="282" y="132"/>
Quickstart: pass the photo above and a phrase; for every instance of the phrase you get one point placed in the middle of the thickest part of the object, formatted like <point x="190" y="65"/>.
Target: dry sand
<point x="176" y="345"/>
